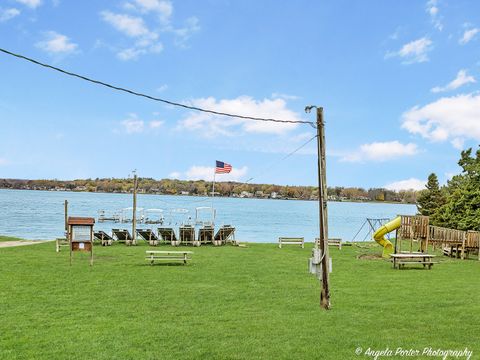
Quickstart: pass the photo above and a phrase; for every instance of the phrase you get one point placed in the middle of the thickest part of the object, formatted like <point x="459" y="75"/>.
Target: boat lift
<point x="205" y="216"/>
<point x="126" y="215"/>
<point x="104" y="217"/>
<point x="179" y="217"/>
<point x="154" y="216"/>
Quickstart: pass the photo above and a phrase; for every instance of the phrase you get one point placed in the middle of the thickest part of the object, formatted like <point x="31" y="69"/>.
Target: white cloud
<point x="146" y="41"/>
<point x="30" y="3"/>
<point x="453" y="118"/>
<point x="133" y="125"/>
<point x="409" y="184"/>
<point x="3" y="161"/>
<point x="155" y="124"/>
<point x="461" y="79"/>
<point x="413" y="52"/>
<point x="210" y="125"/>
<point x="7" y="14"/>
<point x="56" y="43"/>
<point x="130" y="53"/>
<point x="197" y="172"/>
<point x="163" y="8"/>
<point x="458" y="143"/>
<point x="174" y="175"/>
<point x="468" y="35"/>
<point x="184" y="33"/>
<point x="432" y="10"/>
<point x="162" y="88"/>
<point x="129" y="25"/>
<point x="381" y="151"/>
<point x="158" y="14"/>
<point x="276" y="95"/>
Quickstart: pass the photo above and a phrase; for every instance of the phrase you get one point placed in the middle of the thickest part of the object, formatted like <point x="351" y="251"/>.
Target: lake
<point x="39" y="214"/>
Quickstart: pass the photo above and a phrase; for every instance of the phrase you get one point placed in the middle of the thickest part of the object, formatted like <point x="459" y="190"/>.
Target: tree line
<point x="455" y="205"/>
<point x="204" y="188"/>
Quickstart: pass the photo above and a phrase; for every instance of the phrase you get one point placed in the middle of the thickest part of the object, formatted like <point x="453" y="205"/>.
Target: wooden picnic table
<point x="402" y="259"/>
<point x="167" y="255"/>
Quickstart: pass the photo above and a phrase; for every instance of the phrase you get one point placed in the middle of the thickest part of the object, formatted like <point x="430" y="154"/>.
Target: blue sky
<point x="398" y="81"/>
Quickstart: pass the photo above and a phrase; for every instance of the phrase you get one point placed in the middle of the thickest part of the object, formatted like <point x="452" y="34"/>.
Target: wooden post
<point x="134" y="218"/>
<point x="66" y="214"/>
<point x="322" y="204"/>
<point x="91" y="246"/>
<point x="69" y="239"/>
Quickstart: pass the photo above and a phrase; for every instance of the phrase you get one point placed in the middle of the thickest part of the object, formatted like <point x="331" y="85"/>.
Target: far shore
<point x="222" y="197"/>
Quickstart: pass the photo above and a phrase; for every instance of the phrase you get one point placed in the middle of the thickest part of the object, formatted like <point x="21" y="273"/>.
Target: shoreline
<point x="215" y="197"/>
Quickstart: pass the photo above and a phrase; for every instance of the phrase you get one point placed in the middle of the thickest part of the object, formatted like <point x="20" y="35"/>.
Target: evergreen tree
<point x="462" y="209"/>
<point x="431" y="199"/>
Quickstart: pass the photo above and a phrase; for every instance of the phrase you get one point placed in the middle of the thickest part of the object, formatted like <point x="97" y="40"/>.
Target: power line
<point x="152" y="97"/>
<point x="284" y="158"/>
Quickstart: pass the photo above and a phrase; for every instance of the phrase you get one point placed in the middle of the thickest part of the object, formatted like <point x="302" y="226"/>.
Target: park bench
<point x="60" y="242"/>
<point x="331" y="242"/>
<point x="152" y="256"/>
<point x="400" y="260"/>
<point x="335" y="242"/>
<point x="290" y="241"/>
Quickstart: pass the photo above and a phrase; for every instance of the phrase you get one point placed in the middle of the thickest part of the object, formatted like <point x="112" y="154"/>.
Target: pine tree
<point x="462" y="208"/>
<point x="432" y="198"/>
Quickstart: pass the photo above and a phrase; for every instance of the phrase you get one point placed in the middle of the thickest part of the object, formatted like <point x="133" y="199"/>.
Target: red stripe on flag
<point x="223" y="170"/>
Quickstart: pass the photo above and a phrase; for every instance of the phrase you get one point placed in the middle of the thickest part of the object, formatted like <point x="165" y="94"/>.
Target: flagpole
<point x="213" y="187"/>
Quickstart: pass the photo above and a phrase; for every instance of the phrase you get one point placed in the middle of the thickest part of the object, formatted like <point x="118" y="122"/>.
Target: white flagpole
<point x="213" y="187"/>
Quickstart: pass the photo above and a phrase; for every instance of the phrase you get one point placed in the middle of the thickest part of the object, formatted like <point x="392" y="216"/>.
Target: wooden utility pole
<point x="134" y="218"/>
<point x="322" y="204"/>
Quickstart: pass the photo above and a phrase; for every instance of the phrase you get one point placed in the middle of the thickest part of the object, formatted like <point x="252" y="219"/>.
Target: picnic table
<point x="155" y="255"/>
<point x="402" y="259"/>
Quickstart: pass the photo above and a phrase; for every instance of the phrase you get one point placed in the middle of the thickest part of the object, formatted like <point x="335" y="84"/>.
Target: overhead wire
<point x="136" y="93"/>
<point x="282" y="159"/>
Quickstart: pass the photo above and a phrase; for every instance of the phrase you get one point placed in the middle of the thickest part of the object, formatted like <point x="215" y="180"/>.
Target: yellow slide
<point x="379" y="235"/>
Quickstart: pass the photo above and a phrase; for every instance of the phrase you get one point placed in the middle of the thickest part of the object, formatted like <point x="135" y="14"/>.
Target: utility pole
<point x="134" y="216"/>
<point x="322" y="206"/>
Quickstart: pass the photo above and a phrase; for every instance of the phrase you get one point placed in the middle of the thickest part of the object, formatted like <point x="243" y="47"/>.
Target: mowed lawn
<point x="257" y="302"/>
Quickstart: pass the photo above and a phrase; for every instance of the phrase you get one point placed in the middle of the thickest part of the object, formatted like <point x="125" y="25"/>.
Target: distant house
<point x="246" y="194"/>
<point x="184" y="193"/>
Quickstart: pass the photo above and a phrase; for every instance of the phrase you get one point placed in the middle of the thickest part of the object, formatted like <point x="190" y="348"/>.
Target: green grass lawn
<point x="257" y="302"/>
<point x="9" y="238"/>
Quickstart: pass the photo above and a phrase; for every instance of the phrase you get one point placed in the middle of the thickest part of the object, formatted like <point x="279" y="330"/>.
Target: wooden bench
<point x="335" y="242"/>
<point x="331" y="242"/>
<point x="400" y="260"/>
<point x="290" y="241"/>
<point x="153" y="255"/>
<point x="59" y="242"/>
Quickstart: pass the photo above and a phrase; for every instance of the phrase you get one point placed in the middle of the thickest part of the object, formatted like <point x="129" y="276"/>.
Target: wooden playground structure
<point x="416" y="231"/>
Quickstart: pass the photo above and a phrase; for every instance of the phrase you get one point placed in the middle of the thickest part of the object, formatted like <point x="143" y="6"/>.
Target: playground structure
<point x="379" y="235"/>
<point x="418" y="233"/>
<point x="372" y="224"/>
<point x="454" y="242"/>
<point x="413" y="229"/>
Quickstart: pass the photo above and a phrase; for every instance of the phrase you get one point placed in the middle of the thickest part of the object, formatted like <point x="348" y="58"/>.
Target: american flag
<point x="222" y="168"/>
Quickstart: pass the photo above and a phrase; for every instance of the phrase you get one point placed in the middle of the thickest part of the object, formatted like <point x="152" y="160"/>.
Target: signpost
<point x="80" y="235"/>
